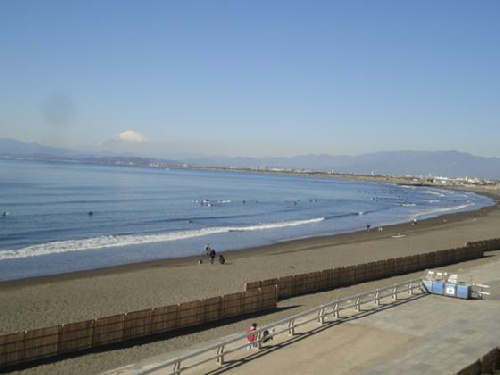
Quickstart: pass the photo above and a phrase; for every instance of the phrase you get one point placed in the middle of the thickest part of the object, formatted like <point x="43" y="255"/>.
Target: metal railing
<point x="284" y="326"/>
<point x="478" y="290"/>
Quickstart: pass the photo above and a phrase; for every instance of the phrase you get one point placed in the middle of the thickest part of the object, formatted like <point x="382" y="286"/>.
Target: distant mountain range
<point x="14" y="148"/>
<point x="418" y="163"/>
<point x="11" y="148"/>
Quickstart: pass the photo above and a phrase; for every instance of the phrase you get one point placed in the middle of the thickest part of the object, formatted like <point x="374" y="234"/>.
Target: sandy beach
<point x="45" y="301"/>
<point x="51" y="300"/>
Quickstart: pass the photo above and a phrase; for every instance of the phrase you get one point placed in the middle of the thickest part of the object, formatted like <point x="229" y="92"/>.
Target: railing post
<point x="336" y="312"/>
<point x="220" y="355"/>
<point x="321" y="316"/>
<point x="291" y="327"/>
<point x="410" y="289"/>
<point x="177" y="367"/>
<point x="322" y="311"/>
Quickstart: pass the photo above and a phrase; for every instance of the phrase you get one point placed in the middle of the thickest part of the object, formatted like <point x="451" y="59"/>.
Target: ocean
<point x="61" y="217"/>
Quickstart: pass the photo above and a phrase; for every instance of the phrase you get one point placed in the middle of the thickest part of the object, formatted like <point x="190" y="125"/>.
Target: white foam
<point x="441" y="210"/>
<point x="439" y="194"/>
<point x="102" y="242"/>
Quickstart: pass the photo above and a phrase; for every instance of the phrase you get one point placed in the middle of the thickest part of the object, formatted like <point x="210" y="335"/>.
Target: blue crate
<point x="463" y="291"/>
<point x="427" y="286"/>
<point x="437" y="287"/>
<point x="450" y="289"/>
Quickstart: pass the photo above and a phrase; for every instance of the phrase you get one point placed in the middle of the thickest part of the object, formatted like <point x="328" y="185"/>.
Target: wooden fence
<point x="52" y="341"/>
<point x="293" y="285"/>
<point x="230" y="345"/>
<point x="258" y="296"/>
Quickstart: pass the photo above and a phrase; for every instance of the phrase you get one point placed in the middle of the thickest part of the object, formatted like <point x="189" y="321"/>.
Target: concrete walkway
<point x="427" y="334"/>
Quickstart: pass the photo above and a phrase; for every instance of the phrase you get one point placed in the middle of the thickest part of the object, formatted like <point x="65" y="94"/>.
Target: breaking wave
<point x="439" y="211"/>
<point x="109" y="241"/>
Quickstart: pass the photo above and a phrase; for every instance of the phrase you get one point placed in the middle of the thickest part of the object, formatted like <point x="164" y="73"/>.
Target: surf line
<point x="111" y="241"/>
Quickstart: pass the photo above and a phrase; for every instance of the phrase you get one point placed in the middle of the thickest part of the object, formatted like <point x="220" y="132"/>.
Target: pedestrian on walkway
<point x="251" y="338"/>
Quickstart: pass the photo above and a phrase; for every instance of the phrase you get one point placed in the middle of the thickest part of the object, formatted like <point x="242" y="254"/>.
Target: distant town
<point x="429" y="180"/>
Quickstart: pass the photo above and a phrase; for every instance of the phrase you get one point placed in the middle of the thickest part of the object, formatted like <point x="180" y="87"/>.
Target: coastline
<point x="52" y="300"/>
<point x="282" y="247"/>
<point x="60" y="299"/>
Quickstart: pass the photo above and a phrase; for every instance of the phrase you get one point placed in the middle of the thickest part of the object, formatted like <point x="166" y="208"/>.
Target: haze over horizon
<point x="253" y="79"/>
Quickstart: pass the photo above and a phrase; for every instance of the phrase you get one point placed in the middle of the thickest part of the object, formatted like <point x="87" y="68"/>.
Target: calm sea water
<point x="141" y="214"/>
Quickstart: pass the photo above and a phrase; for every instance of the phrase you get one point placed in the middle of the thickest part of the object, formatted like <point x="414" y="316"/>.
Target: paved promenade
<point x="426" y="334"/>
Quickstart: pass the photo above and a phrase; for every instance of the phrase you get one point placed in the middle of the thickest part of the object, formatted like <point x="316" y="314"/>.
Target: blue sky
<point x="254" y="78"/>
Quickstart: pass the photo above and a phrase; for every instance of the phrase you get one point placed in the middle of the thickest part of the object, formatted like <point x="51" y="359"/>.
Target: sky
<point x="253" y="78"/>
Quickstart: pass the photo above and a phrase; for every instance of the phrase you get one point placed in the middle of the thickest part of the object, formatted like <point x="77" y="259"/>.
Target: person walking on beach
<point x="251" y="338"/>
<point x="212" y="256"/>
<point x="207" y="249"/>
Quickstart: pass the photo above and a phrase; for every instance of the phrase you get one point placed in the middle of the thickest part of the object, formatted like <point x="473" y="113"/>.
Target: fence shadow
<point x="298" y="337"/>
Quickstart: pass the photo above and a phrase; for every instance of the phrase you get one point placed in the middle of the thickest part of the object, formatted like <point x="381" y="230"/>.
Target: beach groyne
<point x="20" y="347"/>
<point x="294" y="285"/>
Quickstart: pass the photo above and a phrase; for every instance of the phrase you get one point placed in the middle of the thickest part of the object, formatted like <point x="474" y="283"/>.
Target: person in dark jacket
<point x="212" y="256"/>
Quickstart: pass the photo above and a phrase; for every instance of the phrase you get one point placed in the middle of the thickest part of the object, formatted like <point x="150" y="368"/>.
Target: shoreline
<point x="282" y="247"/>
<point x="46" y="304"/>
<point x="74" y="297"/>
